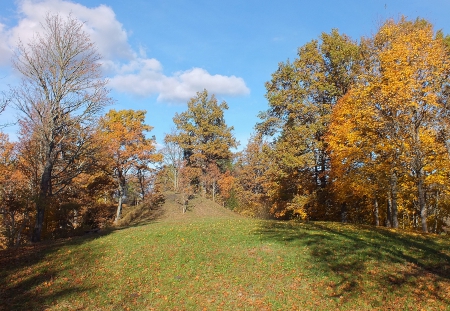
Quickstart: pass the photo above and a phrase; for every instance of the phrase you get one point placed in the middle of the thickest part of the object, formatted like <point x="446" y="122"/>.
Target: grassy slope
<point x="212" y="259"/>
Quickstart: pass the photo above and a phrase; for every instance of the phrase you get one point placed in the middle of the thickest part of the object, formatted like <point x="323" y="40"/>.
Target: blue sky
<point x="158" y="53"/>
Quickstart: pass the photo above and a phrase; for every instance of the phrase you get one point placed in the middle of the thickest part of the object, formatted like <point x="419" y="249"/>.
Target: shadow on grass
<point x="27" y="278"/>
<point x="31" y="276"/>
<point x="366" y="260"/>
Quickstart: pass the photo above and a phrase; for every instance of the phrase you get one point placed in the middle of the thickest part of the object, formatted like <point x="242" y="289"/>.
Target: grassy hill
<point x="212" y="259"/>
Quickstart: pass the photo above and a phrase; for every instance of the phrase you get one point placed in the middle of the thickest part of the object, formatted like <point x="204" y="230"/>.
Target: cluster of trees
<point x="70" y="165"/>
<point x="355" y="132"/>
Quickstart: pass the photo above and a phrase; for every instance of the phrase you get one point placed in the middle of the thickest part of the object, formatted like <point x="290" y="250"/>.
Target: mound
<point x="172" y="210"/>
<point x="198" y="207"/>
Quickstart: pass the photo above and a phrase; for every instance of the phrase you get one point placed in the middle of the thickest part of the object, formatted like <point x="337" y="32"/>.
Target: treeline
<point x="354" y="132"/>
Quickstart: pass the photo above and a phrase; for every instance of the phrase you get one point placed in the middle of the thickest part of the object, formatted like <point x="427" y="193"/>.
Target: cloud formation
<point x="144" y="77"/>
<point x="100" y="24"/>
<point x="5" y="51"/>
<point x="130" y="72"/>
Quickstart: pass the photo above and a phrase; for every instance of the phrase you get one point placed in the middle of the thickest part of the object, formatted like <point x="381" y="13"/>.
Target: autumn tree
<point x="416" y="67"/>
<point x="211" y="177"/>
<point x="15" y="193"/>
<point x="301" y="97"/>
<point x="396" y="114"/>
<point x="202" y="134"/>
<point x="62" y="91"/>
<point x="360" y="164"/>
<point x="252" y="179"/>
<point x="185" y="186"/>
<point x="227" y="186"/>
<point x="126" y="149"/>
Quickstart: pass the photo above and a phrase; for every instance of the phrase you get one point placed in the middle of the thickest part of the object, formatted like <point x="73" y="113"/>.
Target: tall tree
<point x="126" y="148"/>
<point x="301" y="96"/>
<point x="203" y="134"/>
<point x="62" y="91"/>
<point x="415" y="67"/>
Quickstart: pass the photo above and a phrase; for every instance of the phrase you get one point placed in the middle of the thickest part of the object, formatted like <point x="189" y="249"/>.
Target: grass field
<point x="218" y="261"/>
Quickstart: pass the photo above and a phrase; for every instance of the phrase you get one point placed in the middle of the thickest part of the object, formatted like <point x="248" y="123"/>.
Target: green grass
<point x="231" y="264"/>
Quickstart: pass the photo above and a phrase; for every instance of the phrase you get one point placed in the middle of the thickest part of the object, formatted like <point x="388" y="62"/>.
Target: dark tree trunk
<point x="344" y="213"/>
<point x="389" y="210"/>
<point x="421" y="198"/>
<point x="394" y="191"/>
<point x="375" y="213"/>
<point x="436" y="212"/>
<point x="42" y="201"/>
<point x="122" y="184"/>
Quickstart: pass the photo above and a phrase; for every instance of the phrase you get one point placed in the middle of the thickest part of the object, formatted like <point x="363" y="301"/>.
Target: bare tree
<point x="4" y="101"/>
<point x="173" y="159"/>
<point x="61" y="93"/>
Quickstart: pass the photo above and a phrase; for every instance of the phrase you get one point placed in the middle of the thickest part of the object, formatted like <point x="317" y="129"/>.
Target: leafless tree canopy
<point x="61" y="75"/>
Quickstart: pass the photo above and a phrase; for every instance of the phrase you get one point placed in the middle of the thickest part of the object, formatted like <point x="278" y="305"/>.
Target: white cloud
<point x="5" y="51"/>
<point x="144" y="77"/>
<point x="130" y="71"/>
<point x="100" y="24"/>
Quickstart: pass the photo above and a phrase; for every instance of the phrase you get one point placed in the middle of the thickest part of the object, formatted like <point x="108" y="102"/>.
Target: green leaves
<point x="301" y="98"/>
<point x="202" y="131"/>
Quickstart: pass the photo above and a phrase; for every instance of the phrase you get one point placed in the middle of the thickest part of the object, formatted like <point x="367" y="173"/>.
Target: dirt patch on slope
<point x="172" y="210"/>
<point x="198" y="207"/>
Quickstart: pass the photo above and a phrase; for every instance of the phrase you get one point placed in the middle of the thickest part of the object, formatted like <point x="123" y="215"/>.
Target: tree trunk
<point x="394" y="191"/>
<point x="322" y="175"/>
<point x="122" y="184"/>
<point x="344" y="213"/>
<point x="141" y="178"/>
<point x="203" y="186"/>
<point x="375" y="212"/>
<point x="21" y="228"/>
<point x="436" y="212"/>
<point x="175" y="180"/>
<point x="42" y="201"/>
<point x="421" y="198"/>
<point x="389" y="210"/>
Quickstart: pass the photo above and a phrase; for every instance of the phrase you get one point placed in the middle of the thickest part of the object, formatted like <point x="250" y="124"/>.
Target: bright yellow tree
<point x="392" y="120"/>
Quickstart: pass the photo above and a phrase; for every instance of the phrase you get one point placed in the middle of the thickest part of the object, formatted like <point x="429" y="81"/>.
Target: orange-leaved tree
<point x="252" y="181"/>
<point x="125" y="147"/>
<point x="16" y="203"/>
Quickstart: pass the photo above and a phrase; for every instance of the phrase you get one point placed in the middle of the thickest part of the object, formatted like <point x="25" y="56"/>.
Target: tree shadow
<point x="27" y="278"/>
<point x="363" y="258"/>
